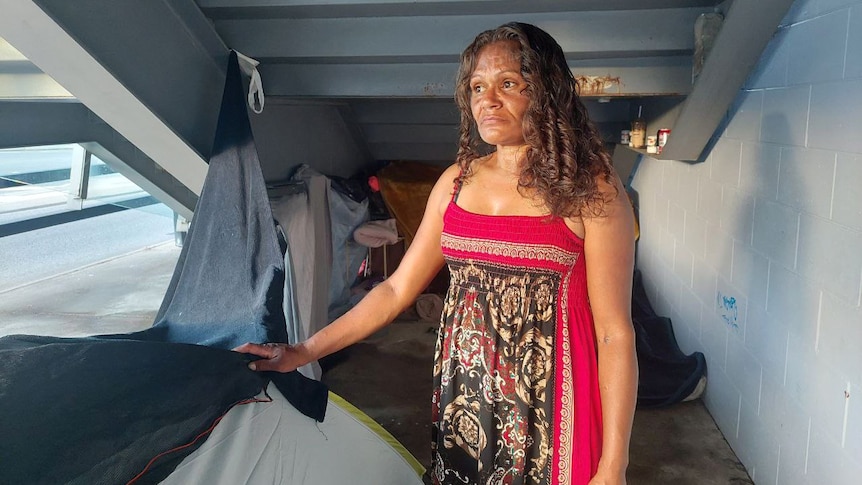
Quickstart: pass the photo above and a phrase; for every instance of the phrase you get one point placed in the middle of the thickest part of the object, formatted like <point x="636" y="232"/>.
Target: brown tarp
<point x="405" y="187"/>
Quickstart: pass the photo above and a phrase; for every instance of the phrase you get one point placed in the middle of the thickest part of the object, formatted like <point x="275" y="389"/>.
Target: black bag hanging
<point x="667" y="375"/>
<point x="227" y="286"/>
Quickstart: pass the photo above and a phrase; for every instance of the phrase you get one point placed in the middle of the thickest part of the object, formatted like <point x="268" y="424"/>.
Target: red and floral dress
<point x="516" y="397"/>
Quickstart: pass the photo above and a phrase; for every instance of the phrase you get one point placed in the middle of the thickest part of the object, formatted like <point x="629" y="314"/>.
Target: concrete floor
<point x="388" y="375"/>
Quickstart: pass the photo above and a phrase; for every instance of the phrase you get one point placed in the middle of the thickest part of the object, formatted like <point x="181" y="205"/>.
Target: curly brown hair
<point x="565" y="153"/>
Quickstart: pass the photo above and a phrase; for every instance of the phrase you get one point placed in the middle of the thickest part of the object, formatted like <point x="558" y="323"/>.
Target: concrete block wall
<point x="756" y="253"/>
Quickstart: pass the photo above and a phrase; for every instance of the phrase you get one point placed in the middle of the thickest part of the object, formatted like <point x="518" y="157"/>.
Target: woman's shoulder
<point x="456" y="174"/>
<point x="451" y="172"/>
<point x="449" y="177"/>
<point x="445" y="187"/>
<point x="610" y="196"/>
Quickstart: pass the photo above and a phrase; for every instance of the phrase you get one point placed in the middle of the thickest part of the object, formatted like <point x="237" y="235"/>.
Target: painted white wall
<point x="756" y="254"/>
<point x="287" y="135"/>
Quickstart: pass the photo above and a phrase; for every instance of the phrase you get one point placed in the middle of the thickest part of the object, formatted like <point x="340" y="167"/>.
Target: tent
<point x="277" y="444"/>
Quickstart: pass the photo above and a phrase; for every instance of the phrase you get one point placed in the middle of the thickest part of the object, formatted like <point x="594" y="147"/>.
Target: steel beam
<point x="446" y="35"/>
<point x="34" y="86"/>
<point x="25" y="124"/>
<point x="20" y="79"/>
<point x="437" y="80"/>
<point x="125" y="158"/>
<point x="748" y="26"/>
<point x="392" y="8"/>
<point x="141" y="67"/>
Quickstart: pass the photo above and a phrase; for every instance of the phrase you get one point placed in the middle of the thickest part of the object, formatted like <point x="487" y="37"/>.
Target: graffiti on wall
<point x="728" y="309"/>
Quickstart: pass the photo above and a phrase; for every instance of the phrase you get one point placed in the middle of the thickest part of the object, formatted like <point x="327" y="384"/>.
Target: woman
<point x="535" y="371"/>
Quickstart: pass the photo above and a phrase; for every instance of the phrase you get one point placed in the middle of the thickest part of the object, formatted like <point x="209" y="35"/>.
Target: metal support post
<point x="79" y="178"/>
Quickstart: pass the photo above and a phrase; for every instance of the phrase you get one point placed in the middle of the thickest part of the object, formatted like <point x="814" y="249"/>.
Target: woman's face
<point x="498" y="97"/>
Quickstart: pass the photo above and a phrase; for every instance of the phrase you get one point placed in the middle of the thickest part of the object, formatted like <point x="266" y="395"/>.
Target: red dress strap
<point x="456" y="189"/>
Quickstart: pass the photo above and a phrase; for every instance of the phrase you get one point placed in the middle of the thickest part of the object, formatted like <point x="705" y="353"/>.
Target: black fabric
<point x="667" y="375"/>
<point x="96" y="410"/>
<point x="227" y="286"/>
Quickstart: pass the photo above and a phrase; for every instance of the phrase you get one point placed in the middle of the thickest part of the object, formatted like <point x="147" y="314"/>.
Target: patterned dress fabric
<point x="516" y="397"/>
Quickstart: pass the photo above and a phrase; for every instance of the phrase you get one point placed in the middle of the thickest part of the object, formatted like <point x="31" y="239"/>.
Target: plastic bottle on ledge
<point x="638" y="135"/>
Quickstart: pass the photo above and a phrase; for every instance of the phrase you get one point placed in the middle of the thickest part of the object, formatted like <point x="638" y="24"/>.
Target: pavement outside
<point x="388" y="375"/>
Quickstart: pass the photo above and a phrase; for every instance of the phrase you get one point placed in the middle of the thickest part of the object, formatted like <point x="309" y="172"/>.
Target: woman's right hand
<point x="276" y="357"/>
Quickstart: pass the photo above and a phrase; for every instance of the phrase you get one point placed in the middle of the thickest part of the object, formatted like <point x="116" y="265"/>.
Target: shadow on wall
<point x="762" y="307"/>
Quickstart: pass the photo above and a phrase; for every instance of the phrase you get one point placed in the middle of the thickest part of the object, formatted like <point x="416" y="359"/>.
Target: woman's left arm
<point x="609" y="253"/>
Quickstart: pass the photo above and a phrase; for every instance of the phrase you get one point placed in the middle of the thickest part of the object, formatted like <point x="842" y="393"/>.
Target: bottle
<point x="638" y="135"/>
<point x="662" y="136"/>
